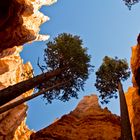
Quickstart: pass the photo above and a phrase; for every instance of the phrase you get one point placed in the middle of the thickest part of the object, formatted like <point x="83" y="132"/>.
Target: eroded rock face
<point x="20" y="21"/>
<point x="87" y="122"/>
<point x="19" y="24"/>
<point x="133" y="93"/>
<point x="13" y="71"/>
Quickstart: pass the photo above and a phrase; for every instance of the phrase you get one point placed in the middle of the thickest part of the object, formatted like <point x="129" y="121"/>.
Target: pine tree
<point x="66" y="60"/>
<point x="108" y="82"/>
<point x="129" y="3"/>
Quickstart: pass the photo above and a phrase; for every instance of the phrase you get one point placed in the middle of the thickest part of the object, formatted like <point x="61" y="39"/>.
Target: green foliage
<point x="66" y="52"/>
<point x="108" y="75"/>
<point x="129" y="3"/>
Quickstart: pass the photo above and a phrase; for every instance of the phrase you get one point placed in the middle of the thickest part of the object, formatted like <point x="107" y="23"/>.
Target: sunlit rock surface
<point x="87" y="122"/>
<point x="132" y="95"/>
<point x="19" y="24"/>
<point x="13" y="71"/>
<point x="20" y="21"/>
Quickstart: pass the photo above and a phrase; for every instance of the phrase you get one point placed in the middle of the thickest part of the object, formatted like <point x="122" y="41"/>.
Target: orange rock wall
<point x="87" y="122"/>
<point x="12" y="71"/>
<point x="132" y="95"/>
<point x="20" y="22"/>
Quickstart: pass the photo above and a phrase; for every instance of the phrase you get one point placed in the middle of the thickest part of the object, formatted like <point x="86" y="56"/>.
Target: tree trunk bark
<point x="16" y="90"/>
<point x="126" y="133"/>
<point x="16" y="103"/>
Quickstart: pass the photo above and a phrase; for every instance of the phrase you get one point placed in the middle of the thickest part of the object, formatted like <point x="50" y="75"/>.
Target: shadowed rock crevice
<point x="5" y="6"/>
<point x="137" y="78"/>
<point x="20" y="22"/>
<point x="12" y="30"/>
<point x="133" y="93"/>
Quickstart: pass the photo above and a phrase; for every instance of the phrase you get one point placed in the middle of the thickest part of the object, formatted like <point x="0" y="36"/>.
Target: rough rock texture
<point x="20" y="21"/>
<point x="87" y="122"/>
<point x="132" y="95"/>
<point x="19" y="24"/>
<point x="13" y="71"/>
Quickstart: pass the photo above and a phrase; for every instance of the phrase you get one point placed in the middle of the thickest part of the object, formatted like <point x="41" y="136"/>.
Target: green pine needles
<point x="129" y="3"/>
<point x="66" y="52"/>
<point x="112" y="71"/>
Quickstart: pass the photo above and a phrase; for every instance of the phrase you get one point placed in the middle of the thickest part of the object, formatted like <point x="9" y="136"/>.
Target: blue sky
<point x="106" y="27"/>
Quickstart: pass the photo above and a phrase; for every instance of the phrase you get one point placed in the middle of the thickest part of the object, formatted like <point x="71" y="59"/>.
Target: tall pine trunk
<point x="20" y="101"/>
<point x="126" y="133"/>
<point x="16" y="90"/>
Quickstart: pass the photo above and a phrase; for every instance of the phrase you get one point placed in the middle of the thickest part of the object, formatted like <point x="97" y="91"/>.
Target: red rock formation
<point x="87" y="122"/>
<point x="20" y="21"/>
<point x="132" y="95"/>
<point x="19" y="24"/>
<point x="12" y="69"/>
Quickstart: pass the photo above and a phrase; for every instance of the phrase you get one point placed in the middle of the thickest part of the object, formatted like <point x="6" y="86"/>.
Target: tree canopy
<point x="108" y="75"/>
<point x="66" y="52"/>
<point x="129" y="3"/>
<point x="66" y="61"/>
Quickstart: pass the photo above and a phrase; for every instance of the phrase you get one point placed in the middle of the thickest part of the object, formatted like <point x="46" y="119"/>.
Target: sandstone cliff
<point x="87" y="122"/>
<point x="19" y="24"/>
<point x="132" y="95"/>
<point x="20" y="21"/>
<point x="11" y="72"/>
